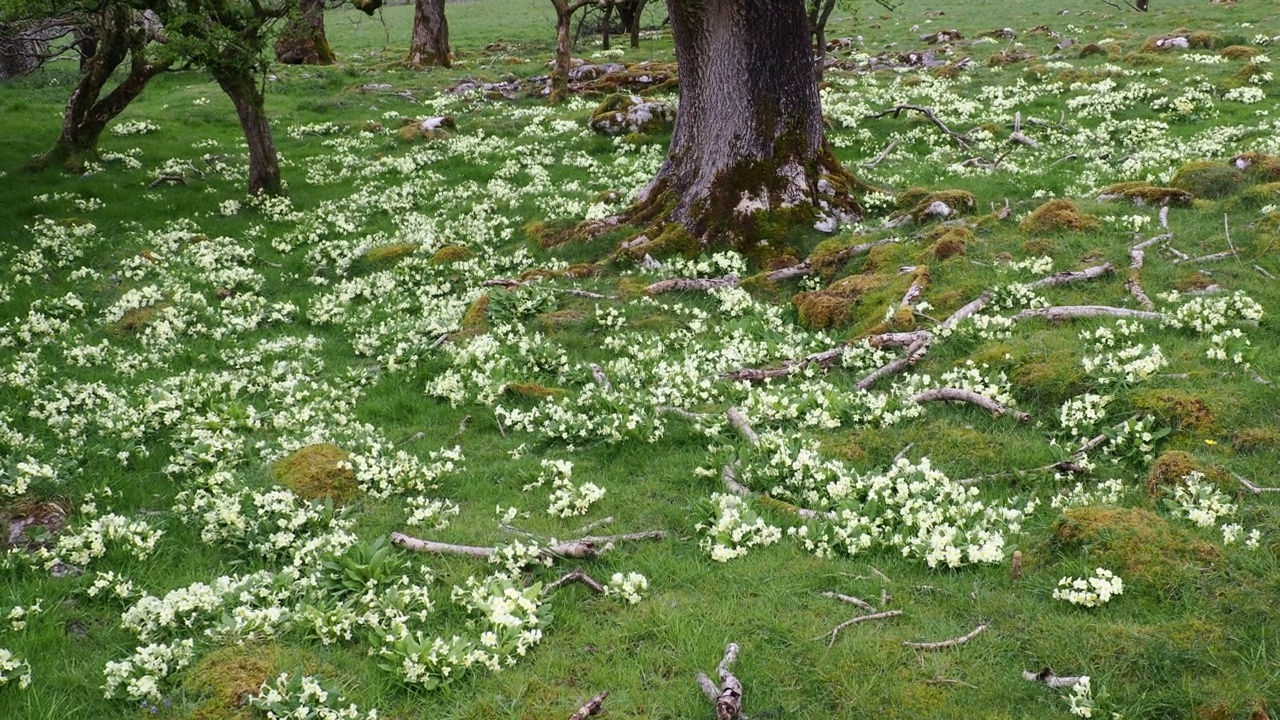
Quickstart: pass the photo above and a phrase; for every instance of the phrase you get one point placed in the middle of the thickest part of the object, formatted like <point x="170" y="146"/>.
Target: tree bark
<point x="634" y="25"/>
<point x="605" y="26"/>
<point x="303" y="42"/>
<point x="430" y="44"/>
<point x="748" y="141"/>
<point x="564" y="48"/>
<point x="246" y="94"/>
<point x="118" y="37"/>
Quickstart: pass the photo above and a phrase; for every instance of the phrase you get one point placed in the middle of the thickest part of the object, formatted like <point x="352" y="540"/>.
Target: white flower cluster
<point x="138" y="677"/>
<point x="1104" y="492"/>
<point x="1081" y="414"/>
<point x="629" y="586"/>
<point x="516" y="557"/>
<point x="19" y="615"/>
<point x="17" y="477"/>
<point x="1201" y="502"/>
<point x="1121" y="363"/>
<point x="14" y="669"/>
<point x="732" y="528"/>
<point x="93" y="539"/>
<point x="1208" y="313"/>
<point x="293" y="697"/>
<point x="134" y="127"/>
<point x="1247" y="95"/>
<point x="1091" y="591"/>
<point x="566" y="498"/>
<point x="1041" y="265"/>
<point x="1080" y="700"/>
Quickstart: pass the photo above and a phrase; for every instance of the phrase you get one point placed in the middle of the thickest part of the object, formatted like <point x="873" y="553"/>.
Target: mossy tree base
<point x="430" y="44"/>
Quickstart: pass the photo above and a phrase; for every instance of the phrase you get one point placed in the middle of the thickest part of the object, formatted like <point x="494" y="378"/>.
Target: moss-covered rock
<point x="1183" y="39"/>
<point x="948" y="243"/>
<point x="1051" y="381"/>
<point x="1190" y="282"/>
<point x="476" y="318"/>
<point x="1257" y="439"/>
<point x="1005" y="58"/>
<point x="226" y="678"/>
<point x="317" y="472"/>
<point x="1058" y="216"/>
<point x="1137" y="544"/>
<point x="1207" y="179"/>
<point x="1239" y="52"/>
<point x="1259" y="167"/>
<point x="622" y="114"/>
<point x="1141" y="193"/>
<point x="1180" y="409"/>
<point x="136" y="320"/>
<point x="427" y="128"/>
<point x="943" y="204"/>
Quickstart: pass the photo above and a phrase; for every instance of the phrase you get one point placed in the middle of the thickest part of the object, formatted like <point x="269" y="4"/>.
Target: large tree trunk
<point x="303" y="42"/>
<point x="748" y="155"/>
<point x="264" y="165"/>
<point x="86" y="116"/>
<point x="430" y="44"/>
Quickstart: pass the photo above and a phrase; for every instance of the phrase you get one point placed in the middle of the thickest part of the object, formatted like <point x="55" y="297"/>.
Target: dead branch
<point x="851" y="600"/>
<point x="800" y="269"/>
<point x="903" y="452"/>
<point x="593" y="707"/>
<point x="1256" y="490"/>
<point x="806" y="267"/>
<point x="1265" y="274"/>
<point x="582" y="548"/>
<point x="872" y="163"/>
<point x="913" y="294"/>
<point x="692" y="284"/>
<point x="1134" y="283"/>
<point x="824" y="359"/>
<point x="1048" y="677"/>
<point x="729" y="476"/>
<point x="595" y="524"/>
<point x="1072" y="312"/>
<point x="961" y="395"/>
<point x="1164" y="216"/>
<point x="1208" y="258"/>
<point x="1015" y="567"/>
<point x="601" y="379"/>
<point x="584" y="294"/>
<point x="974" y="306"/>
<point x="942" y="644"/>
<point x="913" y="354"/>
<point x="855" y="621"/>
<point x="501" y="282"/>
<point x="1181" y="256"/>
<point x="730" y="479"/>
<point x="742" y="425"/>
<point x="728" y="698"/>
<point x="897" y="110"/>
<point x="1226" y="228"/>
<point x="576" y="576"/>
<point x="1068" y="276"/>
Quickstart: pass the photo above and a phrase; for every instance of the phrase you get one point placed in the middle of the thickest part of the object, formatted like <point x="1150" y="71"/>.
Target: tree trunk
<point x="819" y="13"/>
<point x="86" y="116"/>
<point x="303" y="42"/>
<point x="264" y="165"/>
<point x="634" y="26"/>
<point x="604" y="26"/>
<point x="748" y="155"/>
<point x="430" y="44"/>
<point x="564" y="48"/>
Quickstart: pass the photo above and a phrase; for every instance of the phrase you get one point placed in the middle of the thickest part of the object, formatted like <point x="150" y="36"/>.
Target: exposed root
<point x="692" y="284"/>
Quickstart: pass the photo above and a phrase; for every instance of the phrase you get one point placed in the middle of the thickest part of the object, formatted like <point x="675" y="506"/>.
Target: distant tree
<point x="631" y="11"/>
<point x="565" y="11"/>
<point x="819" y="11"/>
<point x="430" y="43"/>
<point x="302" y="41"/>
<point x="110" y="35"/>
<point x="749" y="138"/>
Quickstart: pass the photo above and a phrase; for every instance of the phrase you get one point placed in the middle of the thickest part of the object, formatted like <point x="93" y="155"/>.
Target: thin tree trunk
<point x="86" y="115"/>
<point x="749" y="139"/>
<point x="303" y="42"/>
<point x="634" y="25"/>
<point x="264" y="165"/>
<point x="430" y="45"/>
<point x="819" y="13"/>
<point x="564" y="48"/>
<point x="604" y="26"/>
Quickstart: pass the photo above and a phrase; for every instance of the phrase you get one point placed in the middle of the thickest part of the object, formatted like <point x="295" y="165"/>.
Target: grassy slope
<point x="1198" y="642"/>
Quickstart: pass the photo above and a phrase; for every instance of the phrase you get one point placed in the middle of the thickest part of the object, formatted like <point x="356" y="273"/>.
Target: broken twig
<point x="593" y="707"/>
<point x="942" y="644"/>
<point x="855" y="621"/>
<point x="728" y="698"/>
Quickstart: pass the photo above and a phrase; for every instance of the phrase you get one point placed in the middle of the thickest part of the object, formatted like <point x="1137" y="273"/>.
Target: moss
<point x="1051" y="381"/>
<point x="1040" y="246"/>
<point x="1259" y="167"/>
<point x="1170" y="468"/>
<point x="1036" y="72"/>
<point x="1092" y="49"/>
<point x="532" y="390"/>
<point x="670" y="239"/>
<point x="1141" y="193"/>
<point x="1009" y="57"/>
<point x="829" y="255"/>
<point x="910" y="197"/>
<point x="389" y="254"/>
<point x="317" y="471"/>
<point x="858" y="285"/>
<point x="560" y="319"/>
<point x="1192" y="281"/>
<point x="414" y="130"/>
<point x="1180" y="409"/>
<point x="1259" y="195"/>
<point x="227" y="678"/>
<point x="1252" y="440"/>
<point x="960" y="202"/>
<point x="451" y="254"/>
<point x="949" y="244"/>
<point x="1137" y="544"/>
<point x="1057" y="216"/>
<point x="477" y="316"/>
<point x="135" y="320"/>
<point x="1246" y="75"/>
<point x="822" y="310"/>
<point x="1196" y="39"/>
<point x="1239" y="52"/>
<point x="1206" y="179"/>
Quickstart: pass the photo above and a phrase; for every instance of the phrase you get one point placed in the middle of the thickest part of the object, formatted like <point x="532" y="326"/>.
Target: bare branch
<point x="1256" y="490"/>
<point x="728" y="699"/>
<point x="870" y="164"/>
<point x="1068" y="276"/>
<point x="974" y="306"/>
<point x="851" y="600"/>
<point x="1048" y="677"/>
<point x="582" y="548"/>
<point x="896" y="111"/>
<point x="855" y="621"/>
<point x="593" y="707"/>
<point x="742" y="425"/>
<point x="577" y="576"/>
<point x="961" y="395"/>
<point x="942" y="644"/>
<point x="692" y="284"/>
<point x="1071" y="312"/>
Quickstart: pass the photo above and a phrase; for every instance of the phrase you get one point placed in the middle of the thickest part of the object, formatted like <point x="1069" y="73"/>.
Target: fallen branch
<point x="961" y="395"/>
<point x="1134" y="284"/>
<point x="1226" y="228"/>
<point x="1208" y="258"/>
<point x="576" y="576"/>
<point x="965" y="311"/>
<point x="824" y="359"/>
<point x="1069" y="276"/>
<point x="851" y="600"/>
<point x="913" y="294"/>
<point x="913" y="355"/>
<point x="854" y="621"/>
<point x="1256" y="490"/>
<point x="1265" y="274"/>
<point x="692" y="284"/>
<point x="595" y="524"/>
<point x="897" y="111"/>
<point x="582" y="548"/>
<point x="593" y="707"/>
<point x="872" y="163"/>
<point x="742" y="425"/>
<point x="1072" y="312"/>
<point x="942" y="644"/>
<point x="1048" y="677"/>
<point x="728" y="698"/>
<point x="729" y="477"/>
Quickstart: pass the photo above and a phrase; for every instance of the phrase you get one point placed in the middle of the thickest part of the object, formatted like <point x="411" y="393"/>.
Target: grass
<point x="214" y="345"/>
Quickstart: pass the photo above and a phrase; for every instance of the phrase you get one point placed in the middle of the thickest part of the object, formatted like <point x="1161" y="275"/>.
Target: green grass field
<point x="215" y="410"/>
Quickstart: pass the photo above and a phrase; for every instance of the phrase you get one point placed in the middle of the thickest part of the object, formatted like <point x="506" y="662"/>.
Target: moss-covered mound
<point x="1137" y="544"/>
<point x="1140" y="193"/>
<point x="451" y="254"/>
<point x="227" y="678"/>
<point x="317" y="471"/>
<point x="1180" y="409"/>
<point x="622" y="114"/>
<point x="1058" y="216"/>
<point x="1183" y="39"/>
<point x="1207" y="179"/>
<point x="1170" y="468"/>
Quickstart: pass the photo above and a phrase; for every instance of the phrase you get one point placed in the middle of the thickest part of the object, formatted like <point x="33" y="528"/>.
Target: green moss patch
<point x="227" y="678"/>
<point x="1058" y="216"/>
<point x="1180" y="409"/>
<point x="1170" y="468"/>
<point x="1137" y="544"/>
<point x="1141" y="193"/>
<point x="1206" y="179"/>
<point x="316" y="472"/>
<point x="451" y="254"/>
<point x="1252" y="440"/>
